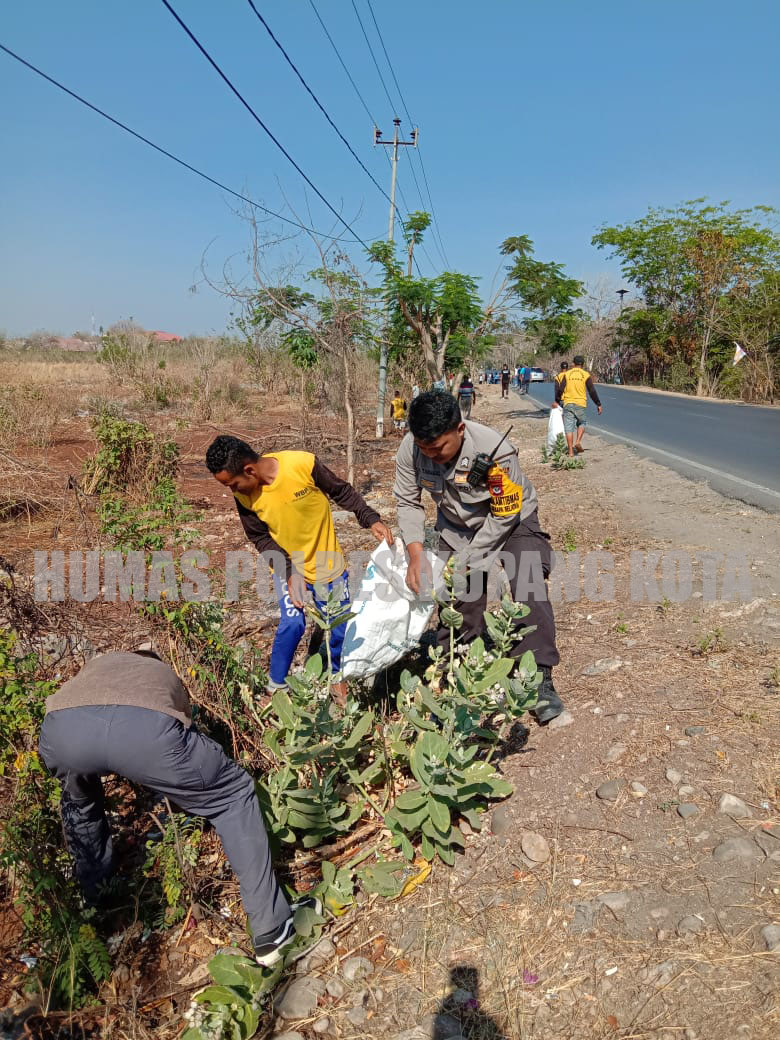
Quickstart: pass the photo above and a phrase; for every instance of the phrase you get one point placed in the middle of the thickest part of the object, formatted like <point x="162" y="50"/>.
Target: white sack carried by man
<point x="389" y="618"/>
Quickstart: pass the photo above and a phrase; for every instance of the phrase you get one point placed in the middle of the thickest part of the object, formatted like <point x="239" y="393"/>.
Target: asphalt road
<point x="735" y="448"/>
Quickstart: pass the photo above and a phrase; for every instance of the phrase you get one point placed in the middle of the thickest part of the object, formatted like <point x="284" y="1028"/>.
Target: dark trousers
<point x="152" y="749"/>
<point x="527" y="537"/>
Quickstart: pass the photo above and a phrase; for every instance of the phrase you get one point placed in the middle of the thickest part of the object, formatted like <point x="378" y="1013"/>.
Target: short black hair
<point x="579" y="359"/>
<point x="230" y="454"/>
<point x="564" y="365"/>
<point x="433" y="413"/>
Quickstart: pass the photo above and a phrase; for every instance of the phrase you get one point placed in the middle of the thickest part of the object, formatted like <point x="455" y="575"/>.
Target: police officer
<point x="128" y="713"/>
<point x="476" y="523"/>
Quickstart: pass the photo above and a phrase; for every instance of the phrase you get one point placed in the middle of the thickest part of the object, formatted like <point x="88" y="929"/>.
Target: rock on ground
<point x="690" y="925"/>
<point x="356" y="968"/>
<point x="734" y="807"/>
<point x="736" y="849"/>
<point x="535" y="847"/>
<point x="609" y="790"/>
<point x="687" y="809"/>
<point x="603" y="665"/>
<point x="499" y="821"/>
<point x="336" y="988"/>
<point x="300" y="999"/>
<point x="564" y="719"/>
<point x="770" y="933"/>
<point x="615" y="901"/>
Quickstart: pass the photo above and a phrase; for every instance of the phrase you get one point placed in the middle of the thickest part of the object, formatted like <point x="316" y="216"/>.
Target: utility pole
<point x="394" y="144"/>
<point x="619" y="368"/>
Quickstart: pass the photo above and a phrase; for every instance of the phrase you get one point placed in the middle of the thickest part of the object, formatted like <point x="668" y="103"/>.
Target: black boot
<point x="548" y="705"/>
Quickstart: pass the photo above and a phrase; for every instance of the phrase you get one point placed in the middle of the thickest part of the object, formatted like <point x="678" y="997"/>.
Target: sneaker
<point x="548" y="704"/>
<point x="269" y="948"/>
<point x="271" y="686"/>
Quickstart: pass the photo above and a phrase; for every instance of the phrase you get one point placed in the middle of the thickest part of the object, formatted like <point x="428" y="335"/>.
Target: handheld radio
<point x="480" y="467"/>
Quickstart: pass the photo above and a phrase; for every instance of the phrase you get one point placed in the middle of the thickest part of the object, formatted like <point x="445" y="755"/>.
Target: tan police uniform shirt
<point x="473" y="521"/>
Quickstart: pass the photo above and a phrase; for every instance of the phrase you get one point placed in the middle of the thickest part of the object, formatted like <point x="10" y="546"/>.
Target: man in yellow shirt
<point x="282" y="501"/>
<point x="571" y="387"/>
<point x="562" y="373"/>
<point x="398" y="412"/>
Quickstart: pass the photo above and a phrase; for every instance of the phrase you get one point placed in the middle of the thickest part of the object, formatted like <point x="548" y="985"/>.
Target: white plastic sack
<point x="389" y="619"/>
<point x="554" y="427"/>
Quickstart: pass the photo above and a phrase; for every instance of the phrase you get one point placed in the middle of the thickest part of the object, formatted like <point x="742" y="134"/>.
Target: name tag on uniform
<point x="461" y="480"/>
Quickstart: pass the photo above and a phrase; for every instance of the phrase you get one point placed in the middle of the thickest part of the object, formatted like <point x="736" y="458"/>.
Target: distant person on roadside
<point x="572" y="386"/>
<point x="415" y="391"/>
<point x="526" y="378"/>
<point x="467" y="395"/>
<point x="481" y="378"/>
<point x="129" y="713"/>
<point x="398" y="412"/>
<point x="282" y="502"/>
<point x="505" y="377"/>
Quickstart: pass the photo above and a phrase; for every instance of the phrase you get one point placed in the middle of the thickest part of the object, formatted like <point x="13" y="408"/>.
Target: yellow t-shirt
<point x="399" y="409"/>
<point x="299" y="517"/>
<point x="574" y="391"/>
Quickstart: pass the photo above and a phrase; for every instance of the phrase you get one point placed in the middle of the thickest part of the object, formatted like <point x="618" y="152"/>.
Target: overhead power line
<point x="164" y="151"/>
<point x="317" y="102"/>
<point x="387" y="94"/>
<point x="408" y="116"/>
<point x="373" y="57"/>
<point x="343" y="65"/>
<point x="260" y="122"/>
<point x="368" y="112"/>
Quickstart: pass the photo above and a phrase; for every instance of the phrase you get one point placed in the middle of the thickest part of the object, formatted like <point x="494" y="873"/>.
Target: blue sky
<point x="546" y="119"/>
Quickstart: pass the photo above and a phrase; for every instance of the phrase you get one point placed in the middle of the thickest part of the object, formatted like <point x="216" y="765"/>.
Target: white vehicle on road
<point x="537" y="375"/>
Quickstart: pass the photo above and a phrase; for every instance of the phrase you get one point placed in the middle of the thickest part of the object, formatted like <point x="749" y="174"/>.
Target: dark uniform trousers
<point x="155" y="750"/>
<point x="526" y="537"/>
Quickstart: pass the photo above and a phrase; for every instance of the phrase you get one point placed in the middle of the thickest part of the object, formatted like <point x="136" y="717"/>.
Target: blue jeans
<point x="293" y="624"/>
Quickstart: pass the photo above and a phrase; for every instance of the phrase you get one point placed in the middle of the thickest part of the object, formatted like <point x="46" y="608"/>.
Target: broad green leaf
<point x="306" y="919"/>
<point x="427" y="847"/>
<point x="473" y="818"/>
<point x="439" y="813"/>
<point x="410" y="801"/>
<point x="219" y="995"/>
<point x="283" y="707"/>
<point x="497" y="671"/>
<point x="314" y="666"/>
<point x="446" y="854"/>
<point x="406" y="846"/>
<point x="223" y="971"/>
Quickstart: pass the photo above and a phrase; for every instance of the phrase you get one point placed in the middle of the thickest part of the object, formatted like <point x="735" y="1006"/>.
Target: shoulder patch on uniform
<point x="506" y="497"/>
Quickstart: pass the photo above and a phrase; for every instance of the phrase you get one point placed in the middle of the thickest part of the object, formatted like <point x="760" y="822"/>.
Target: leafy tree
<point x="690" y="264"/>
<point x="546" y="294"/>
<point x="443" y="315"/>
<point x="752" y="319"/>
<point x="334" y="325"/>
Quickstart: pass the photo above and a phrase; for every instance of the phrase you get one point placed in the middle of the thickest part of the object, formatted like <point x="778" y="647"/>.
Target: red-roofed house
<point x="165" y="337"/>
